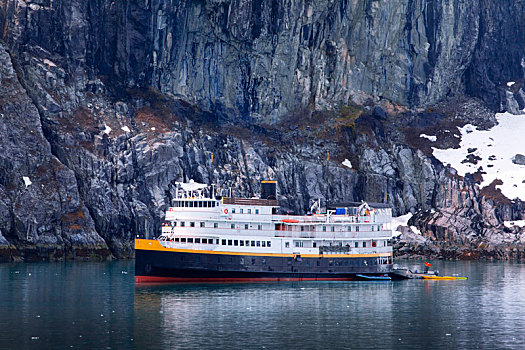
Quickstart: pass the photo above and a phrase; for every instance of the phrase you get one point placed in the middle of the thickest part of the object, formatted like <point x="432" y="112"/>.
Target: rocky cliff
<point x="105" y="104"/>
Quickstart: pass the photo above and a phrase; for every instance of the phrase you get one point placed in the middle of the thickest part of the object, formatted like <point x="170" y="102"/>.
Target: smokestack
<point x="269" y="190"/>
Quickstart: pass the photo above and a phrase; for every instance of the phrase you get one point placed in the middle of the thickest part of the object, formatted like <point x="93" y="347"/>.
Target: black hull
<point x="161" y="266"/>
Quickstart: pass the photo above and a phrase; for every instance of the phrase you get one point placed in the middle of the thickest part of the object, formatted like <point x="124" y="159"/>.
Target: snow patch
<point x="27" y="181"/>
<point x="431" y="138"/>
<point x="493" y="150"/>
<point x="399" y="221"/>
<point x="125" y="128"/>
<point x="510" y="224"/>
<point x="510" y="83"/>
<point x="347" y="164"/>
<point x="415" y="229"/>
<point x="107" y="129"/>
<point x="153" y="128"/>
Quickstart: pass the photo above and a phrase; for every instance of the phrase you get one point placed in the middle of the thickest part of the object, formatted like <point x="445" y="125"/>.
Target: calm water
<point x="97" y="306"/>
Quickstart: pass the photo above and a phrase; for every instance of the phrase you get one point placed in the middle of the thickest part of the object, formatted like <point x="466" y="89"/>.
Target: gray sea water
<point x="97" y="306"/>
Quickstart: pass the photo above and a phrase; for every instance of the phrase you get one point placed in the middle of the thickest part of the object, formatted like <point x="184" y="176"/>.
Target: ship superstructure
<point x="210" y="238"/>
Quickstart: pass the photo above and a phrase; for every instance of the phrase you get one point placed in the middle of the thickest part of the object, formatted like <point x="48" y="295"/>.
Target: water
<point x="97" y="306"/>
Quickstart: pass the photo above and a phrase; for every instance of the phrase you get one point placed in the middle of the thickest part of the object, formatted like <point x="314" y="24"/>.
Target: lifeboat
<point x="290" y="221"/>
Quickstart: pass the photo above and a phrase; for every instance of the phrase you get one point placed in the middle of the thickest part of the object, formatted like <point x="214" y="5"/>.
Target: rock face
<point x="263" y="59"/>
<point x="104" y="104"/>
<point x="41" y="211"/>
<point x="519" y="159"/>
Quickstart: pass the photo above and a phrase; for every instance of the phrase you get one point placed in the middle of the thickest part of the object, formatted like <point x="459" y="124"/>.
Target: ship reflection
<point x="259" y="315"/>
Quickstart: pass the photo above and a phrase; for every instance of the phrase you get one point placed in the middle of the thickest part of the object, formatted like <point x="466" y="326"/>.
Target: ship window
<point x="197" y="240"/>
<point x="357" y="229"/>
<point x="372" y="228"/>
<point x="287" y="244"/>
<point x="318" y="263"/>
<point x="205" y="241"/>
<point x="182" y="224"/>
<point x="324" y="228"/>
<point x="349" y="228"/>
<point x="364" y="244"/>
<point x="333" y="228"/>
<point x="258" y="243"/>
<point x="247" y="243"/>
<point x="232" y="226"/>
<point x="357" y="244"/>
<point x="213" y="204"/>
<point x="217" y="241"/>
<point x="229" y="242"/>
<point x="249" y="211"/>
<point x="297" y="244"/>
<point x="256" y="211"/>
<point x="263" y="243"/>
<point x="253" y="243"/>
<point x="263" y="261"/>
<point x="202" y="224"/>
<point x="245" y="226"/>
<point x="253" y="261"/>
<point x="302" y="228"/>
<point x="174" y="223"/>
<point x="233" y="210"/>
<point x="259" y="227"/>
<point x="314" y="244"/>
<point x="176" y="239"/>
<point x="384" y="243"/>
<point x="241" y="210"/>
<point x="190" y="240"/>
<point x="192" y="224"/>
<point x="191" y="204"/>
<point x="268" y="243"/>
<point x="215" y="225"/>
<point x="183" y="240"/>
<point x="241" y="243"/>
<point x="235" y="242"/>
<point x="223" y="242"/>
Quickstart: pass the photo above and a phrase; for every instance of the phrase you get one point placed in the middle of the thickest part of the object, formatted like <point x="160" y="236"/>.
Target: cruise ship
<point x="210" y="238"/>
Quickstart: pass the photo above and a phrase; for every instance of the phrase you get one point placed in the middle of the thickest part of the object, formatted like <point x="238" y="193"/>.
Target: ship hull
<point x="176" y="266"/>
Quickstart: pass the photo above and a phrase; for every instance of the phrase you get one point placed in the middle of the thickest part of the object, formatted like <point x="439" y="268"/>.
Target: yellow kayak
<point x="443" y="278"/>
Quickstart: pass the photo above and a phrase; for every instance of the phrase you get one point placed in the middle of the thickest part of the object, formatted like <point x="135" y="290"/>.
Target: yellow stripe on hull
<point x="153" y="244"/>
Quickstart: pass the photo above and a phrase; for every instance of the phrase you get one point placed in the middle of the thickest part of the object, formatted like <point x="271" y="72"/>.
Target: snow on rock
<point x="347" y="164"/>
<point x="125" y="128"/>
<point x="27" y="181"/>
<point x="153" y="129"/>
<point x="431" y="138"/>
<point x="493" y="150"/>
<point x="399" y="221"/>
<point x="510" y="224"/>
<point x="510" y="83"/>
<point x="107" y="129"/>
